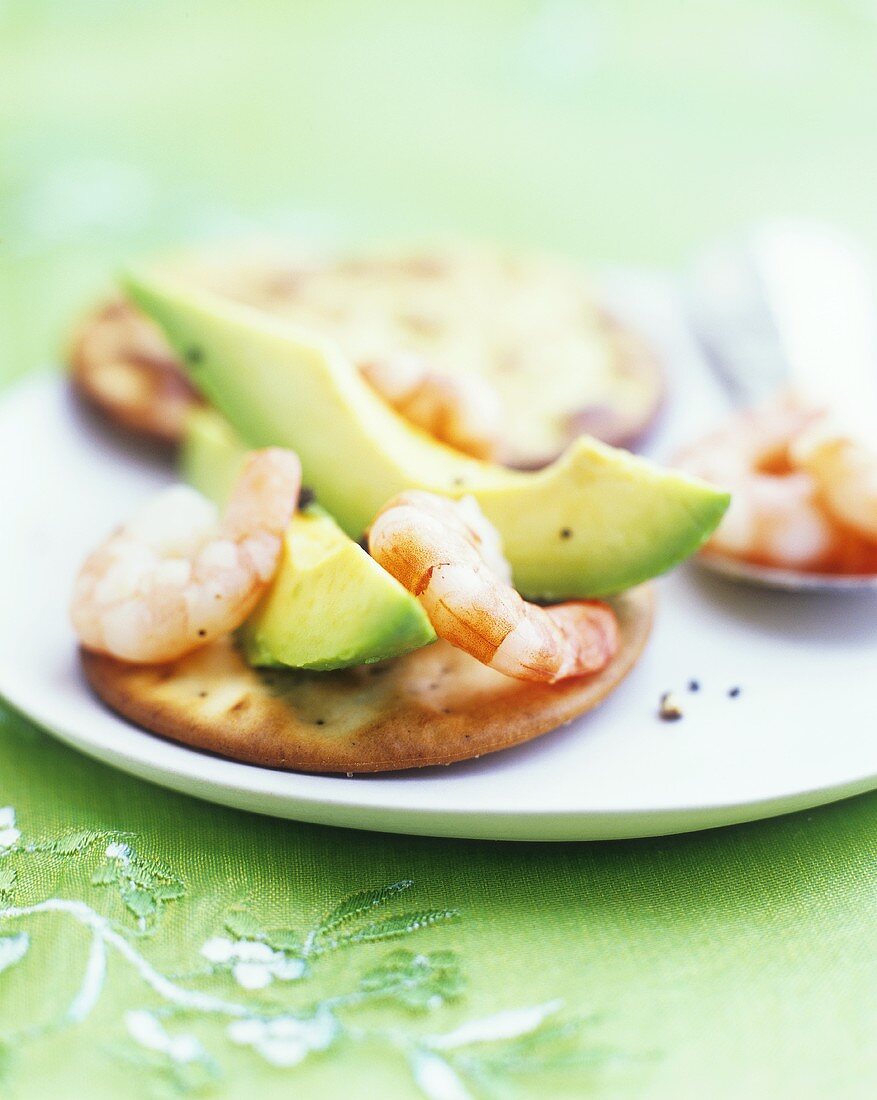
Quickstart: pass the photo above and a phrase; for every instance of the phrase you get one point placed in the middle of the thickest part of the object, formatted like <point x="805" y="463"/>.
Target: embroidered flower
<point x="256" y="957"/>
<point x="9" y="835"/>
<point x="285" y="1040"/>
<point x="146" y="1030"/>
<point x="253" y="965"/>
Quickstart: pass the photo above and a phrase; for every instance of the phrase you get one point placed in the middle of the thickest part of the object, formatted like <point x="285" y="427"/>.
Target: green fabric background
<point x="733" y="963"/>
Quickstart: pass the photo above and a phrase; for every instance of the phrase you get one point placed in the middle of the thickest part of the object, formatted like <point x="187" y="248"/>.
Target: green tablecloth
<point x="151" y="944"/>
<point x="733" y="963"/>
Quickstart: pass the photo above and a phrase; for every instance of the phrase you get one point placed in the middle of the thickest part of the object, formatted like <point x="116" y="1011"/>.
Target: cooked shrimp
<point x="462" y="412"/>
<point x="844" y="470"/>
<point x="175" y="577"/>
<point x="448" y="554"/>
<point x="774" y="517"/>
<point x="795" y="504"/>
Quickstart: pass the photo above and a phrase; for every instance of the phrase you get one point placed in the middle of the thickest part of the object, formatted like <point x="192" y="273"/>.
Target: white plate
<point x="801" y="732"/>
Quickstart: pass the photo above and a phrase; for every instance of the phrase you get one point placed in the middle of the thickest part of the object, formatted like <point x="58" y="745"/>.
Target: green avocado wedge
<point x="330" y="605"/>
<point x="595" y="522"/>
<point x="211" y="455"/>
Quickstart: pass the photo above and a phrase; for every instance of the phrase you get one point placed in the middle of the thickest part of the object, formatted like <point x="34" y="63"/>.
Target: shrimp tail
<point x="591" y="633"/>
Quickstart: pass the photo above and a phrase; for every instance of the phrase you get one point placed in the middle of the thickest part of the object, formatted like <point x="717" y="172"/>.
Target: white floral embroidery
<point x="502" y="1025"/>
<point x="436" y="1079"/>
<point x="13" y="949"/>
<point x="253" y="965"/>
<point x="92" y="981"/>
<point x="285" y="1040"/>
<point x="9" y="835"/>
<point x="146" y="1030"/>
<point x="255" y="956"/>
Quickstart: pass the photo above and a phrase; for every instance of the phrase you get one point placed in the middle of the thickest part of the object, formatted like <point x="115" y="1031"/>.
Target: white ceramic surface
<point x="802" y="731"/>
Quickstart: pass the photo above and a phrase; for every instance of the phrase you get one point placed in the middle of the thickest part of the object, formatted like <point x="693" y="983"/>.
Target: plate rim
<point x="785" y="580"/>
<point x="605" y="824"/>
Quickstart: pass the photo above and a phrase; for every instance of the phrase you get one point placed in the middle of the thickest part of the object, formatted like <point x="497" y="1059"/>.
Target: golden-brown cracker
<point x="528" y="327"/>
<point x="436" y="705"/>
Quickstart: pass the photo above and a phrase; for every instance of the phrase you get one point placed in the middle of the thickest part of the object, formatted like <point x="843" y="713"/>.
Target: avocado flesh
<point x="211" y="455"/>
<point x="330" y="604"/>
<point x="595" y="522"/>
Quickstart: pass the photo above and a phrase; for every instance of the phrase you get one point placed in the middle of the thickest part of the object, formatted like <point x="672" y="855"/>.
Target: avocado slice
<point x="595" y="522"/>
<point x="330" y="605"/>
<point x="211" y="454"/>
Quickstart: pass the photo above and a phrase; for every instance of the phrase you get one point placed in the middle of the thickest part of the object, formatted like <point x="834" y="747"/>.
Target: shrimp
<point x="792" y="506"/>
<point x="448" y="554"/>
<point x="844" y="470"/>
<point x="465" y="412"/>
<point x="774" y="517"/>
<point x="176" y="577"/>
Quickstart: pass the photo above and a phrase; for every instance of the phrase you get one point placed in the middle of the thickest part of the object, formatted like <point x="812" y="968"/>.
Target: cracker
<point x="121" y="364"/>
<point x="528" y="327"/>
<point x="436" y="705"/>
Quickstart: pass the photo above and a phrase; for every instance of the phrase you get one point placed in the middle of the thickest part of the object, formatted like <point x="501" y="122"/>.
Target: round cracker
<point x="626" y="420"/>
<point x="121" y="364"/>
<point x="436" y="705"/>
<point x="527" y="326"/>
